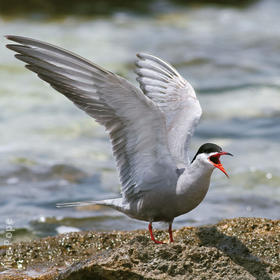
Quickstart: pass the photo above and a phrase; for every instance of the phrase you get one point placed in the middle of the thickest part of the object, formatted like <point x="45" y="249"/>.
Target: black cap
<point x="207" y="148"/>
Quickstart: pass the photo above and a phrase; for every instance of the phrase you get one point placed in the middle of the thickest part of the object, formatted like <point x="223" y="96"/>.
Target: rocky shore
<point x="242" y="248"/>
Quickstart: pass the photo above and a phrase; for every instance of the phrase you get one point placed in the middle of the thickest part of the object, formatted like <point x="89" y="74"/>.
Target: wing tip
<point x="14" y="38"/>
<point x="16" y="47"/>
<point x="27" y="41"/>
<point x="8" y="37"/>
<point x="143" y="55"/>
<point x="9" y="46"/>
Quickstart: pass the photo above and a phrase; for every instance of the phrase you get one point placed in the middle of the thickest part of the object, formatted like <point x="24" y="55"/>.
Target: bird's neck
<point x="193" y="185"/>
<point x="197" y="175"/>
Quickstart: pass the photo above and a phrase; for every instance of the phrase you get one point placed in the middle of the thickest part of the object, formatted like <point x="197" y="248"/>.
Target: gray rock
<point x="242" y="248"/>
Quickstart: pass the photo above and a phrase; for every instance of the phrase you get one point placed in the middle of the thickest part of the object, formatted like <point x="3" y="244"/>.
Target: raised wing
<point x="135" y="124"/>
<point x="175" y="97"/>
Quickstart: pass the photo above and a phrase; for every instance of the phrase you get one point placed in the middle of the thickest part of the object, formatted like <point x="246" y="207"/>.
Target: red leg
<point x="152" y="236"/>
<point x="170" y="233"/>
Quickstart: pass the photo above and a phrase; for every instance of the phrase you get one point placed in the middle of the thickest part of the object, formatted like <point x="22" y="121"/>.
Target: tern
<point x="150" y="128"/>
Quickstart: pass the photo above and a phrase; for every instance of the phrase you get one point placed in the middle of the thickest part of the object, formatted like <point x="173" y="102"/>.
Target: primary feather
<point x="175" y="97"/>
<point x="136" y="125"/>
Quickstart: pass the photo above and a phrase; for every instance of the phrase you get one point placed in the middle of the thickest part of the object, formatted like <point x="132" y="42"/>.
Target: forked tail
<point x="76" y="204"/>
<point x="115" y="203"/>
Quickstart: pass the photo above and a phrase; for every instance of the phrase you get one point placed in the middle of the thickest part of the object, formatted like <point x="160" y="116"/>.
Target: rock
<point x="242" y="248"/>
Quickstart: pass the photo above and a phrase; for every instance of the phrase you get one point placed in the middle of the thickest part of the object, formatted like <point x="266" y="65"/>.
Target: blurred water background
<point x="51" y="152"/>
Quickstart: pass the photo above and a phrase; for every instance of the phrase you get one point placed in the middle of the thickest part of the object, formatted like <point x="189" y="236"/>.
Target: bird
<point x="149" y="127"/>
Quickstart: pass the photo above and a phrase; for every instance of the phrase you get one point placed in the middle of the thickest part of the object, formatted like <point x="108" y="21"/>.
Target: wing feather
<point x="135" y="124"/>
<point x="176" y="99"/>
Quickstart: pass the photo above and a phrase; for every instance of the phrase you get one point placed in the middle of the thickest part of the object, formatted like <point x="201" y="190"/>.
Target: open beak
<point x="215" y="160"/>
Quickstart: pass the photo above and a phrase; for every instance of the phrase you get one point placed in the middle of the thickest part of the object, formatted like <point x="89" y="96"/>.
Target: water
<point x="52" y="152"/>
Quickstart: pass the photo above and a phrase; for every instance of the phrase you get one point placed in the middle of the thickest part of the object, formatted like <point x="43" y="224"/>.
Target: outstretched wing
<point x="175" y="97"/>
<point x="135" y="124"/>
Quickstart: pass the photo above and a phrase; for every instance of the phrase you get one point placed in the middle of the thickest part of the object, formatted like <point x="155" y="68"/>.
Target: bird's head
<point x="210" y="155"/>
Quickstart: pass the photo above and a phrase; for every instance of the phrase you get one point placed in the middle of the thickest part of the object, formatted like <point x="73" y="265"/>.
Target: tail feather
<point x="75" y="204"/>
<point x="115" y="203"/>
